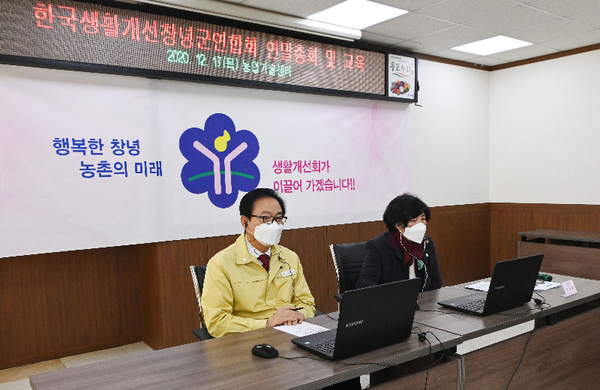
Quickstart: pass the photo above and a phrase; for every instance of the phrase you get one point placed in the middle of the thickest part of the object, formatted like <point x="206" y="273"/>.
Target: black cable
<point x="427" y="372"/>
<point x="423" y="337"/>
<point x="443" y="349"/>
<point x="541" y="303"/>
<point x="525" y="350"/>
<point x="338" y="362"/>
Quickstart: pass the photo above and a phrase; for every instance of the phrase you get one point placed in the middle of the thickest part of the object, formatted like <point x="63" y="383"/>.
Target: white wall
<point x="450" y="141"/>
<point x="529" y="134"/>
<point x="545" y="132"/>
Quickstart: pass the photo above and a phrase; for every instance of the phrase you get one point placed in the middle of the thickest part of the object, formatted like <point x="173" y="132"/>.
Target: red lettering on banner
<point x="276" y="55"/>
<point x="273" y="49"/>
<point x="312" y="55"/>
<point x="43" y="14"/>
<point x="169" y="34"/>
<point x="287" y="186"/>
<point x="250" y="45"/>
<point x="300" y="54"/>
<point x="91" y="22"/>
<point x="150" y="31"/>
<point x="286" y="51"/>
<point x="330" y="55"/>
<point x="68" y="20"/>
<point x="132" y="28"/>
<point x="110" y="24"/>
<point x="349" y="63"/>
<point x="235" y="42"/>
<point x="360" y="63"/>
<point x="220" y="41"/>
<point x="187" y="37"/>
<point x="203" y="37"/>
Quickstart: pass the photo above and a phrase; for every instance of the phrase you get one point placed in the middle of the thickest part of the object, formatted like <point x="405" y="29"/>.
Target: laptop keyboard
<point x="476" y="306"/>
<point x="325" y="346"/>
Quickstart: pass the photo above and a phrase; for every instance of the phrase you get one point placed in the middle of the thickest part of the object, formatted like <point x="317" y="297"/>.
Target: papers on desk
<point x="543" y="286"/>
<point x="539" y="286"/>
<point x="480" y="286"/>
<point x="303" y="329"/>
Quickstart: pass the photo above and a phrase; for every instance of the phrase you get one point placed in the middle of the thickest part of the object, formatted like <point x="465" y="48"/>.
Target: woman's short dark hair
<point x="402" y="209"/>
<point x="248" y="201"/>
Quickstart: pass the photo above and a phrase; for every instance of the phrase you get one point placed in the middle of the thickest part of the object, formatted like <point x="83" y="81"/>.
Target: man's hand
<point x="286" y="316"/>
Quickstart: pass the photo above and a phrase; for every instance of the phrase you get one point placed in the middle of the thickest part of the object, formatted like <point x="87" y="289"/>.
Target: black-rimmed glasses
<point x="269" y="219"/>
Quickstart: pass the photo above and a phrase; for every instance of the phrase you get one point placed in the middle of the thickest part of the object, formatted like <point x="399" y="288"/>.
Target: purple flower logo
<point x="220" y="160"/>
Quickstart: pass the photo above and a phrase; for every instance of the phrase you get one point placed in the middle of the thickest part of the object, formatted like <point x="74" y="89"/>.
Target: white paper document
<point x="303" y="329"/>
<point x="481" y="286"/>
<point x="540" y="286"/>
<point x="543" y="286"/>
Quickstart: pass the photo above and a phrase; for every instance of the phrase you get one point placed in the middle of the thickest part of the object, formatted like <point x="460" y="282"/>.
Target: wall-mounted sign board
<point x="161" y="42"/>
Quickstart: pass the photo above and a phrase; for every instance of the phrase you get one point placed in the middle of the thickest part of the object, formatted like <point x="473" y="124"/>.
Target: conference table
<point x="561" y="352"/>
<point x="564" y="325"/>
<point x="228" y="363"/>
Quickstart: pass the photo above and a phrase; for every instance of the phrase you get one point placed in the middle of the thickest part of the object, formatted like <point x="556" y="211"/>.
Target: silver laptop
<point x="512" y="285"/>
<point x="370" y="318"/>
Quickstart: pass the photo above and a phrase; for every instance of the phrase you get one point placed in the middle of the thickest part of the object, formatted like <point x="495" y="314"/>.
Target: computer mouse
<point x="265" y="351"/>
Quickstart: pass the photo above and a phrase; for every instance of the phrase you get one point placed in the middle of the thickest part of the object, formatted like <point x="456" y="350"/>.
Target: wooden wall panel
<point x="441" y="376"/>
<point x="169" y="307"/>
<point x="565" y="259"/>
<point x="150" y="295"/>
<point x="177" y="296"/>
<point x="108" y="280"/>
<point x="58" y="304"/>
<point x="180" y="306"/>
<point x="562" y="356"/>
<point x="310" y="245"/>
<point x="31" y="294"/>
<point x="508" y="219"/>
<point x="462" y="239"/>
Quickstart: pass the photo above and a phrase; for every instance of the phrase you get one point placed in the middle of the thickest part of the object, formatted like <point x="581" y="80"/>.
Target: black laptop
<point x="370" y="318"/>
<point x="511" y="286"/>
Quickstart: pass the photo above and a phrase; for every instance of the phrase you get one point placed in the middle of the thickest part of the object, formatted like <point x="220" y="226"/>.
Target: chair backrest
<point x="198" y="272"/>
<point x="348" y="260"/>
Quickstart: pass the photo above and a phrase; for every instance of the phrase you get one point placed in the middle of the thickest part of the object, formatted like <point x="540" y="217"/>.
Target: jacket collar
<point x="392" y="241"/>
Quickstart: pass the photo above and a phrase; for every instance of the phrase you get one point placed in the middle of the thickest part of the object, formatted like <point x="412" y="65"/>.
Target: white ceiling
<point x="432" y="27"/>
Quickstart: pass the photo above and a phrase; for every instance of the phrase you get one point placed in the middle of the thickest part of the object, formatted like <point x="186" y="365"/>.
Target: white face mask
<point x="415" y="233"/>
<point x="268" y="234"/>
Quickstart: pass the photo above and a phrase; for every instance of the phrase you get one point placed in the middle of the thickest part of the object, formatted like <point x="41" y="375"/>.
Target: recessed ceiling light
<point x="357" y="14"/>
<point x="492" y="45"/>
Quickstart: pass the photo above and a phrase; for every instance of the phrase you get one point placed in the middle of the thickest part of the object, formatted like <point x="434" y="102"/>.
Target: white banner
<point x="90" y="160"/>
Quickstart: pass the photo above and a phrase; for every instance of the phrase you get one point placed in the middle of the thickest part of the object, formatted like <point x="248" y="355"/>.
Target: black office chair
<point x="348" y="260"/>
<point x="198" y="272"/>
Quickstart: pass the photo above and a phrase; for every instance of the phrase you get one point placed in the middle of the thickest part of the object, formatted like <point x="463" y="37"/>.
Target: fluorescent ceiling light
<point x="492" y="45"/>
<point x="266" y="18"/>
<point x="358" y="14"/>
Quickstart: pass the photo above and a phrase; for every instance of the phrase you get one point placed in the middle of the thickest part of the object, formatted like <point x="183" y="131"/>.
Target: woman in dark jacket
<point x="403" y="251"/>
